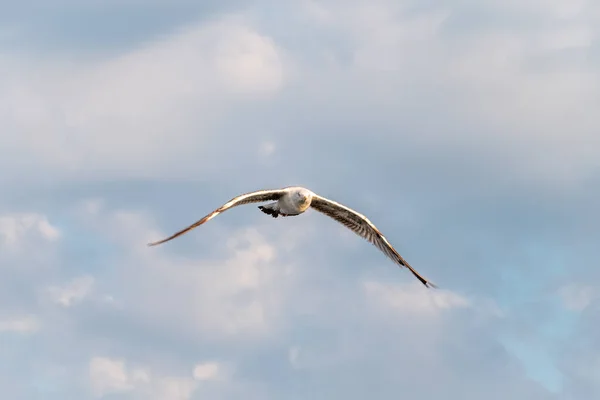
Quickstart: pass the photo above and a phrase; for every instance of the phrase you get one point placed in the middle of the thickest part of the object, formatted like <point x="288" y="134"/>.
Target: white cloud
<point x="73" y="292"/>
<point x="239" y="295"/>
<point x="18" y="228"/>
<point x="315" y="10"/>
<point x="413" y="298"/>
<point x="559" y="9"/>
<point x="174" y="388"/>
<point x="577" y="297"/>
<point x="208" y="371"/>
<point x="267" y="148"/>
<point x="249" y="62"/>
<point x="20" y="324"/>
<point x="112" y="375"/>
<point x="134" y="113"/>
<point x="108" y="376"/>
<point x="313" y="355"/>
<point x="569" y="37"/>
<point x="515" y="94"/>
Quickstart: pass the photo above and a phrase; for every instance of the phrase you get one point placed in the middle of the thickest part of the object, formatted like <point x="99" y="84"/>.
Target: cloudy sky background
<point x="466" y="130"/>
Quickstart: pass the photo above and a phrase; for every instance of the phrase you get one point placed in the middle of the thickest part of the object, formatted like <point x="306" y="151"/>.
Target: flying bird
<point x="295" y="200"/>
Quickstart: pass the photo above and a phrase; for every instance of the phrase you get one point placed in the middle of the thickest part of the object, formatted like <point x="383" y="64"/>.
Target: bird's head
<point x="302" y="196"/>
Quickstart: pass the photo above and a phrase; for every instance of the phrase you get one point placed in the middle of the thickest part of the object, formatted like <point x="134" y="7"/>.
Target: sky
<point x="467" y="131"/>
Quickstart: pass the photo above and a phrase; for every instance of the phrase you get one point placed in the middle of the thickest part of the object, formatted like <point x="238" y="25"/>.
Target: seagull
<point x="295" y="200"/>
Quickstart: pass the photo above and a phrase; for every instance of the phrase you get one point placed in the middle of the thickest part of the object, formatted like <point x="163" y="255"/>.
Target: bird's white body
<point x="295" y="200"/>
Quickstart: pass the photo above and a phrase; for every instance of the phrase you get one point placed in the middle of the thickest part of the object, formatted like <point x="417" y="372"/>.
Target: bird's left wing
<point x="361" y="225"/>
<point x="253" y="197"/>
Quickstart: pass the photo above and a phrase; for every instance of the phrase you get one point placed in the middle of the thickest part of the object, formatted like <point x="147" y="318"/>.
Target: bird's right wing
<point x="253" y="197"/>
<point x="361" y="225"/>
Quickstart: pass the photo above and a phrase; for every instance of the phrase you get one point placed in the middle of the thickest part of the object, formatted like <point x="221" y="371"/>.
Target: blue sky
<point x="466" y="131"/>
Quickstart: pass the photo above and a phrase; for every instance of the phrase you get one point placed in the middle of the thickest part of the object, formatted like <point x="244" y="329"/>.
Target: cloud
<point x="174" y="389"/>
<point x="577" y="297"/>
<point x="73" y="292"/>
<point x="411" y="298"/>
<point x="396" y="340"/>
<point x="166" y="99"/>
<point x="207" y="371"/>
<point x="29" y="249"/>
<point x="515" y="100"/>
<point x="221" y="317"/>
<point x="239" y="295"/>
<point x="249" y="62"/>
<point x="154" y="101"/>
<point x="109" y="376"/>
<point x="114" y="375"/>
<point x="267" y="148"/>
<point x="19" y="227"/>
<point x="20" y="324"/>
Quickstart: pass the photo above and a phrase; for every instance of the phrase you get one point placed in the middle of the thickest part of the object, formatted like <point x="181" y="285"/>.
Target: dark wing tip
<point x="428" y="284"/>
<point x="166" y="239"/>
<point x="431" y="285"/>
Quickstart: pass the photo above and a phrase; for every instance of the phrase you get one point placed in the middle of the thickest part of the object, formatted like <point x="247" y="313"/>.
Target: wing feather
<point x="361" y="225"/>
<point x="252" y="197"/>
